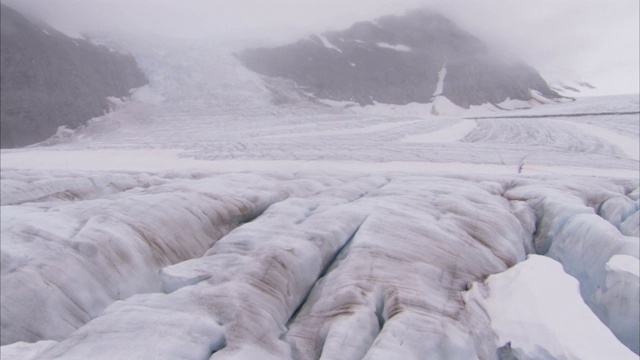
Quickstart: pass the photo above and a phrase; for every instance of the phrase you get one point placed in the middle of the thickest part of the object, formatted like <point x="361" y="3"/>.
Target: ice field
<point x="220" y="215"/>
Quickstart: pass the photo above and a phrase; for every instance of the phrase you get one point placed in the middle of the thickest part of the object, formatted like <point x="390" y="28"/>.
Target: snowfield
<point x="200" y="220"/>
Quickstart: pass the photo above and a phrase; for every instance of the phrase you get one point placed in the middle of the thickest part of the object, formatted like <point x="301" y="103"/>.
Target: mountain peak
<point x="397" y="60"/>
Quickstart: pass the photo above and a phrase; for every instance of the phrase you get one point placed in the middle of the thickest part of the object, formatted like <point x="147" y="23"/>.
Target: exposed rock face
<point x="49" y="80"/>
<point x="399" y="60"/>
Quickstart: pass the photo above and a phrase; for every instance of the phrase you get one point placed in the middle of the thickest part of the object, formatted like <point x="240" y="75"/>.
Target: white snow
<point x="164" y="160"/>
<point x="25" y="351"/>
<point x="455" y="132"/>
<point x="396" y="47"/>
<point x="624" y="263"/>
<point x="415" y="109"/>
<point x="631" y="226"/>
<point x="513" y="104"/>
<point x="335" y="103"/>
<point x="106" y="240"/>
<point x="327" y="43"/>
<point x="621" y="298"/>
<point x="617" y="210"/>
<point x="355" y="131"/>
<point x="440" y="85"/>
<point x="536" y="308"/>
<point x="537" y="96"/>
<point x="262" y="269"/>
<point x="443" y="106"/>
<point x="629" y="145"/>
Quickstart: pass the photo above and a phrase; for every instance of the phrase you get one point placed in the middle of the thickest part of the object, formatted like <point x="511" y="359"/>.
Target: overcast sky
<point x="591" y="40"/>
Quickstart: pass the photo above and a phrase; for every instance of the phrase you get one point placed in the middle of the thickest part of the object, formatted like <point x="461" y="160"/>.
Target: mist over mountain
<point x="400" y="60"/>
<point x="51" y="80"/>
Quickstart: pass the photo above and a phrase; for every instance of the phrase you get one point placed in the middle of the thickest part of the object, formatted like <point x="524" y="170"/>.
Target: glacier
<point x="294" y="265"/>
<point x="203" y="219"/>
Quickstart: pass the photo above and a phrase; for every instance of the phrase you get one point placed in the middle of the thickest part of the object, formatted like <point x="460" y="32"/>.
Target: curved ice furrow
<point x="626" y="125"/>
<point x="607" y="201"/>
<point x="63" y="266"/>
<point x="631" y="226"/>
<point x="541" y="132"/>
<point x="628" y="145"/>
<point x="25" y="351"/>
<point x="381" y="127"/>
<point x="584" y="246"/>
<point x="23" y="186"/>
<point x="453" y="133"/>
<point x="571" y="232"/>
<point x="621" y="211"/>
<point x="382" y="300"/>
<point x="394" y="287"/>
<point x="582" y="198"/>
<point x="247" y="290"/>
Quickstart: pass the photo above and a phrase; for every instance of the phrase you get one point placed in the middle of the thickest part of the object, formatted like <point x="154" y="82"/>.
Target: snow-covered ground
<point x="202" y="104"/>
<point x="199" y="220"/>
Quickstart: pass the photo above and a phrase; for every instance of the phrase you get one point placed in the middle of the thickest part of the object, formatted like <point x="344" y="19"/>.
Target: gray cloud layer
<point x="593" y="40"/>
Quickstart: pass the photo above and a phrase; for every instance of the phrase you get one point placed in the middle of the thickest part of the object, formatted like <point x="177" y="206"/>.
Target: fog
<point x="590" y="40"/>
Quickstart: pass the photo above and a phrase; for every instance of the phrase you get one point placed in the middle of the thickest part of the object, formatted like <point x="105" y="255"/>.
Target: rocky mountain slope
<point x="50" y="80"/>
<point x="399" y="60"/>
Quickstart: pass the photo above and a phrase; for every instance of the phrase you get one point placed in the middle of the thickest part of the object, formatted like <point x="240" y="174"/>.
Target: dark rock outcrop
<point x="396" y="60"/>
<point x="49" y="79"/>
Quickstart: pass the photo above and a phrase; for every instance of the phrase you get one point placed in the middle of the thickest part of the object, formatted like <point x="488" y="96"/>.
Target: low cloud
<point x="592" y="40"/>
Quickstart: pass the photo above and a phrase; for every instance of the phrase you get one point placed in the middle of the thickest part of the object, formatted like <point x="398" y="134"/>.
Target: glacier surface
<point x="200" y="220"/>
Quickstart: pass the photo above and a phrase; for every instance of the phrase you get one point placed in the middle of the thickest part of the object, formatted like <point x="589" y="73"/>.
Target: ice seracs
<point x="570" y="231"/>
<point x="379" y="262"/>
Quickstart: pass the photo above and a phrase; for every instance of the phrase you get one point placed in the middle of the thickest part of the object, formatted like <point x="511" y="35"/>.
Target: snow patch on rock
<point x="328" y="43"/>
<point x="396" y="47"/>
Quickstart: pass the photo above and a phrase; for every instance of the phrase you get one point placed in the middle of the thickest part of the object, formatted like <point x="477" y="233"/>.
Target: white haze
<point x="589" y="40"/>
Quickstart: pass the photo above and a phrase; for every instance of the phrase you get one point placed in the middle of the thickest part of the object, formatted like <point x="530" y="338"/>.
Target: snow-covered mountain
<point x="400" y="60"/>
<point x="50" y="80"/>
